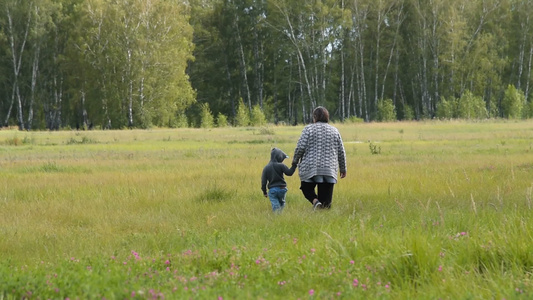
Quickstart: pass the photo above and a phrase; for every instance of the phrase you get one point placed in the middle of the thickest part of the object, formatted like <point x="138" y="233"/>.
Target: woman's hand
<point x="343" y="174"/>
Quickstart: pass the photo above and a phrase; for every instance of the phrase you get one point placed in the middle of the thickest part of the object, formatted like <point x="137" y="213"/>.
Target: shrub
<point x="513" y="103"/>
<point x="257" y="117"/>
<point x="408" y="112"/>
<point x="471" y="107"/>
<point x="528" y="110"/>
<point x="386" y="111"/>
<point x="206" y="117"/>
<point x="243" y="117"/>
<point x="266" y="131"/>
<point x="446" y="109"/>
<point x="179" y="121"/>
<point x="492" y="109"/>
<point x="374" y="149"/>
<point x="222" y="120"/>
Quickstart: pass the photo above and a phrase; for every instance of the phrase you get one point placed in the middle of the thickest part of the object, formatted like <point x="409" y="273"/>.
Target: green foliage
<point x="179" y="121"/>
<point x="137" y="64"/>
<point x="446" y="109"/>
<point x="222" y="120"/>
<point x="87" y="65"/>
<point x="386" y="111"/>
<point x="257" y="117"/>
<point x="493" y="110"/>
<point x="145" y="119"/>
<point x="528" y="110"/>
<point x="408" y="112"/>
<point x="374" y="149"/>
<point x="513" y="103"/>
<point x="242" y="117"/>
<point x="471" y="107"/>
<point x="206" y="117"/>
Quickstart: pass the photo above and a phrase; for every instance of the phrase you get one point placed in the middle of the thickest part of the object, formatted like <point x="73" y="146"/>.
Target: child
<point x="272" y="178"/>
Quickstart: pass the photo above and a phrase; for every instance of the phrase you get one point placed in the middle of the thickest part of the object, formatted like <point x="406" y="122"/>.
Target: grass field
<point x="428" y="210"/>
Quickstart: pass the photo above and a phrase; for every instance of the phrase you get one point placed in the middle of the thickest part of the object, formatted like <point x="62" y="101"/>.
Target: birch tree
<point x="138" y="51"/>
<point x="18" y="21"/>
<point x="521" y="44"/>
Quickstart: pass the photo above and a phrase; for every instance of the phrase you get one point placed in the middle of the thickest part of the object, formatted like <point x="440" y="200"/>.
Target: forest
<point x="114" y="64"/>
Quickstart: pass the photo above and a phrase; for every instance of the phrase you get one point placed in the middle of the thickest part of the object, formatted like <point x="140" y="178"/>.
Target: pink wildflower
<point x="311" y="292"/>
<point x="355" y="282"/>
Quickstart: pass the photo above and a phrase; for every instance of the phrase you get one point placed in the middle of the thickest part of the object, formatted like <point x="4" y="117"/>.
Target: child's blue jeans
<point x="277" y="198"/>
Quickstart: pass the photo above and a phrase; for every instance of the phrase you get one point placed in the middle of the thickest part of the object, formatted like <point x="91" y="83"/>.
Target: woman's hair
<point x="321" y="114"/>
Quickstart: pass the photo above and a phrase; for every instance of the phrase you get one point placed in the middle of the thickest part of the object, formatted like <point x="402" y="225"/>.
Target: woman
<point x="320" y="155"/>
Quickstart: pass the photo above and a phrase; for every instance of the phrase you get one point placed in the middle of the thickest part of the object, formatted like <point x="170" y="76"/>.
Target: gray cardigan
<point x="320" y="151"/>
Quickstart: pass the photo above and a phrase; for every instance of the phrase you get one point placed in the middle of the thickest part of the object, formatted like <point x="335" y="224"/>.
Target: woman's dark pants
<point x="325" y="192"/>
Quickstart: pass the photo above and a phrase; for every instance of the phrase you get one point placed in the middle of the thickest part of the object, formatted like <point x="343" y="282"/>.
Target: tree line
<point x="175" y="63"/>
<point x="94" y="63"/>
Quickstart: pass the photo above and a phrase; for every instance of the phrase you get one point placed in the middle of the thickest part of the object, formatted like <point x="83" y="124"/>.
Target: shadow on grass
<point x="215" y="193"/>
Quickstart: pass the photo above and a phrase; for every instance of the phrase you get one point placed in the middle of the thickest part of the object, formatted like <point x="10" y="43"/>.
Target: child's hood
<point x="276" y="155"/>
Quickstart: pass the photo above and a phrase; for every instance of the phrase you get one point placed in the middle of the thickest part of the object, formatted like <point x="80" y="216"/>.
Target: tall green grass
<point x="442" y="211"/>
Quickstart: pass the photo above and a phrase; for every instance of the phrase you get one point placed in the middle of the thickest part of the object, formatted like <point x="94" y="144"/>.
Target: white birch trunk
<point x="16" y="57"/>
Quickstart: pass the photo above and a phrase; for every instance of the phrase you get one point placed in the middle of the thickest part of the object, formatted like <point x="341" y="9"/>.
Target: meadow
<point x="428" y="210"/>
